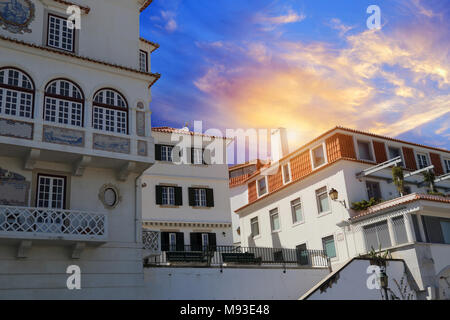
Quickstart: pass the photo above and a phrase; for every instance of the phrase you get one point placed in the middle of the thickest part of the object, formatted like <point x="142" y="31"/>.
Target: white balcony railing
<point x="40" y="223"/>
<point x="151" y="241"/>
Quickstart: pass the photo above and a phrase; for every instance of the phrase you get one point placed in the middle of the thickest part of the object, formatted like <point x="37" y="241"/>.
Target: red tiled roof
<point x="68" y="3"/>
<point x="237" y="181"/>
<point x="156" y="76"/>
<point x="145" y="5"/>
<point x="181" y="131"/>
<point x="154" y="44"/>
<point x="399" y="201"/>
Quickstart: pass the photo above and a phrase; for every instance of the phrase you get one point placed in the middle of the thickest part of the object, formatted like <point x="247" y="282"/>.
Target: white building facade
<point x="289" y="203"/>
<point x="186" y="200"/>
<point x="74" y="139"/>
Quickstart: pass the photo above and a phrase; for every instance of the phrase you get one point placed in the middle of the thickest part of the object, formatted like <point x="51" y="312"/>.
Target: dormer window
<point x="422" y="160"/>
<point x="110" y="112"/>
<point x="143" y="61"/>
<point x="16" y="93"/>
<point x="64" y="103"/>
<point x="365" y="153"/>
<point x="59" y="35"/>
<point x="318" y="156"/>
<point x="262" y="186"/>
<point x="286" y="173"/>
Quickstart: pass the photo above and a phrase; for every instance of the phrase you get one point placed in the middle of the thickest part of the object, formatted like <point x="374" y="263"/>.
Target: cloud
<point x="383" y="83"/>
<point x="338" y="25"/>
<point x="270" y="22"/>
<point x="166" y="20"/>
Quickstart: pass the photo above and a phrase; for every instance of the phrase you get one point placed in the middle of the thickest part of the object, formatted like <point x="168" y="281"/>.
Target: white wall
<point x="350" y="283"/>
<point x="163" y="283"/>
<point x="238" y="198"/>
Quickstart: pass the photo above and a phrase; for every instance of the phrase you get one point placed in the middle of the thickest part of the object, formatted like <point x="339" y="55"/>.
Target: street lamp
<point x="334" y="194"/>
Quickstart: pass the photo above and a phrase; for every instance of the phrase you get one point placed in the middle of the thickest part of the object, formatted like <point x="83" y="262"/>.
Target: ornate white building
<point x="74" y="140"/>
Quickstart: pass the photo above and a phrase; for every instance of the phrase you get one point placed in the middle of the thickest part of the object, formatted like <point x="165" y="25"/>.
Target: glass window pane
<point x="329" y="247"/>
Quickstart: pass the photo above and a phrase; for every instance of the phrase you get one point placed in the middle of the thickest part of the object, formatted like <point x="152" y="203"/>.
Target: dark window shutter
<point x="209" y="198"/>
<point x="191" y="197"/>
<point x="180" y="241"/>
<point x="191" y="150"/>
<point x="158" y="195"/>
<point x="212" y="241"/>
<point x="206" y="156"/>
<point x="164" y="241"/>
<point x="158" y="152"/>
<point x="196" y="241"/>
<point x="178" y="196"/>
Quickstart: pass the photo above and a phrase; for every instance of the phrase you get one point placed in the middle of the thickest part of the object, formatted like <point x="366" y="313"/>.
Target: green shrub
<point x="364" y="204"/>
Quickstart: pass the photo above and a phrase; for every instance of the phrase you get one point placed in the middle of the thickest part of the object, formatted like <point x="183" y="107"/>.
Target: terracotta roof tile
<point x="399" y="201"/>
<point x="181" y="131"/>
<point x="145" y="5"/>
<point x="156" y="76"/>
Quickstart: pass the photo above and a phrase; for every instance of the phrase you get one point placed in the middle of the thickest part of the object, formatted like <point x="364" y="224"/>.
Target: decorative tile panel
<point x="63" y="136"/>
<point x="16" y="129"/>
<point x="110" y="143"/>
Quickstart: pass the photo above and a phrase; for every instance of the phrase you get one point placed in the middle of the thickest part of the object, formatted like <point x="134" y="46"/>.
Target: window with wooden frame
<point x="110" y="111"/>
<point x="59" y="35"/>
<point x="16" y="93"/>
<point x="169" y="196"/>
<point x="143" y="61"/>
<point x="64" y="103"/>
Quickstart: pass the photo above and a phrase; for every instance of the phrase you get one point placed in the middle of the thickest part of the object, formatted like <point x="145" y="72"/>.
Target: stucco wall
<point x="230" y="284"/>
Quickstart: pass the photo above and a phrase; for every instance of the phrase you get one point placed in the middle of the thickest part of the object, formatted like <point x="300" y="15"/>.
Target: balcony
<point x="24" y="223"/>
<point x="227" y="256"/>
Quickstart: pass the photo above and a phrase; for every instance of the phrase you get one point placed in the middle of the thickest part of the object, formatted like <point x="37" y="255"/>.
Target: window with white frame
<point x="50" y="192"/>
<point x="110" y="112"/>
<point x="323" y="204"/>
<point x="365" y="152"/>
<point x="143" y="61"/>
<point x="254" y="225"/>
<point x="16" y="93"/>
<point x="274" y="220"/>
<point x="200" y="197"/>
<point x="262" y="186"/>
<point x="197" y="156"/>
<point x="286" y="173"/>
<point x="329" y="247"/>
<point x="376" y="235"/>
<point x="297" y="213"/>
<point x="318" y="156"/>
<point x="166" y="153"/>
<point x="168" y="196"/>
<point x="59" y="35"/>
<point x="63" y="103"/>
<point x="422" y="160"/>
<point x="447" y="165"/>
<point x="394" y="153"/>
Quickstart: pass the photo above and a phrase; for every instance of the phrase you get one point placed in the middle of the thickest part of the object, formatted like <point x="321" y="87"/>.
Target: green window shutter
<point x="164" y="241"/>
<point x="180" y="241"/>
<point x="191" y="196"/>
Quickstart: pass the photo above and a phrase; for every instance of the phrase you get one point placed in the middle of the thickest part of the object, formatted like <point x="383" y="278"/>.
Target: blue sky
<point x="304" y="65"/>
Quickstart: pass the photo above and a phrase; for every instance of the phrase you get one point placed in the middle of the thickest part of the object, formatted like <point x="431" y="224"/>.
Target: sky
<point x="306" y="65"/>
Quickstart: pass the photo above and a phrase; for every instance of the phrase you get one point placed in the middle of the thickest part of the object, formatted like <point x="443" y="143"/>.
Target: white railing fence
<point x="151" y="241"/>
<point x="54" y="222"/>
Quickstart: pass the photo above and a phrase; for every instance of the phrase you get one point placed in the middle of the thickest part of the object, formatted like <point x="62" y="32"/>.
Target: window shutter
<point x="192" y="154"/>
<point x="212" y="241"/>
<point x="178" y="196"/>
<point x="196" y="241"/>
<point x="206" y="156"/>
<point x="158" y="152"/>
<point x="180" y="241"/>
<point x="191" y="197"/>
<point x="209" y="198"/>
<point x="164" y="241"/>
<point x="158" y="195"/>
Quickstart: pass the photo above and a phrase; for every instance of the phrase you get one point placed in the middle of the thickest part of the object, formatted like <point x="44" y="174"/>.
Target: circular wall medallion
<point x="16" y="15"/>
<point x="109" y="195"/>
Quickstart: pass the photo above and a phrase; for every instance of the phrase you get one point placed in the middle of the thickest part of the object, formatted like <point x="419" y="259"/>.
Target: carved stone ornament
<point x="16" y="15"/>
<point x="110" y="196"/>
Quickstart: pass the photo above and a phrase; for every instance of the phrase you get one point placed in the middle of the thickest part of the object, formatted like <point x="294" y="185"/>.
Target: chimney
<point x="279" y="144"/>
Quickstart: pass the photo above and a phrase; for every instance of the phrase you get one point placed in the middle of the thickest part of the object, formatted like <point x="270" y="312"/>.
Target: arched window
<point x="16" y="93"/>
<point x="64" y="103"/>
<point x="110" y="111"/>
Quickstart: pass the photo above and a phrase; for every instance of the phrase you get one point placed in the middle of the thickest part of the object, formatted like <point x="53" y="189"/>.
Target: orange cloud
<point x="387" y="84"/>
